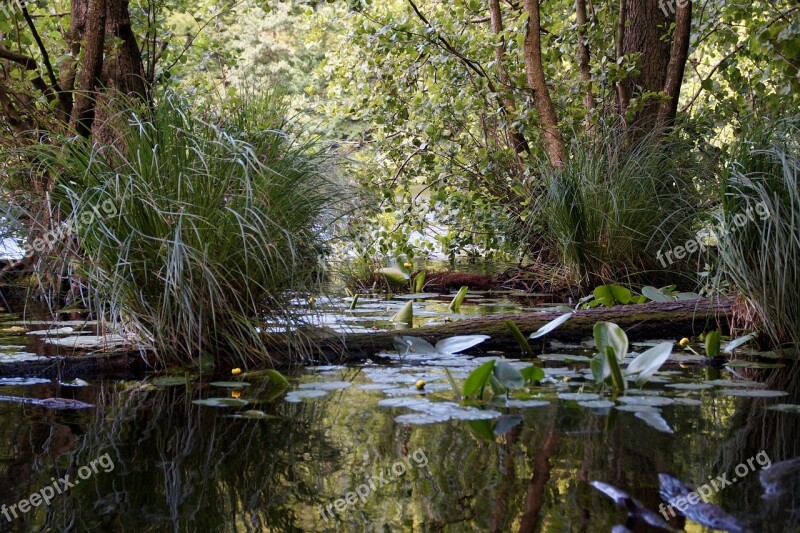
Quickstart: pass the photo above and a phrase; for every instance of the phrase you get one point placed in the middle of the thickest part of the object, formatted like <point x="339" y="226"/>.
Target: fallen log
<point x="673" y="320"/>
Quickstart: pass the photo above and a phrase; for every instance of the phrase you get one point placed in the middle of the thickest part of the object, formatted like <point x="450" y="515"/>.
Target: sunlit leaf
<point x="478" y="378"/>
<point x="459" y="343"/>
<point x="550" y="326"/>
<point x="508" y="376"/>
<point x="647" y="363"/>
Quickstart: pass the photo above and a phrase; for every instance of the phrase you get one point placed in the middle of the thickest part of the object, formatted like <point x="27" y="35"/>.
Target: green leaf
<point x="609" y="334"/>
<point x="508" y="376"/>
<point x="657" y="295"/>
<point x="419" y="281"/>
<point x="712" y="340"/>
<point x="550" y="326"/>
<point x="455" y="305"/>
<point x="405" y="315"/>
<point x="532" y="374"/>
<point x="483" y="428"/>
<point x="600" y="369"/>
<point x="611" y="295"/>
<point x="276" y="377"/>
<point x="394" y="275"/>
<point x="521" y="340"/>
<point x="647" y="363"/>
<point x="478" y="378"/>
<point x="354" y="302"/>
<point x="616" y="374"/>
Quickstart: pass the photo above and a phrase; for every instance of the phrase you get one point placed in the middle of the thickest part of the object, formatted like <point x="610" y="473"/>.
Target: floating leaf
<point x="222" y="402"/>
<point x="419" y="281"/>
<point x="455" y="305"/>
<point x="169" y="381"/>
<point x="394" y="275"/>
<point x="610" y="295"/>
<point x="731" y="346"/>
<point x="478" y="378"/>
<point x="507" y="375"/>
<point x="785" y="408"/>
<point x="229" y="384"/>
<point x="526" y="404"/>
<point x="550" y="326"/>
<point x="532" y="374"/>
<point x="578" y="396"/>
<point x="597" y="404"/>
<point x="647" y="363"/>
<point x="739" y="363"/>
<point x="405" y="344"/>
<point x="754" y="393"/>
<point x="452" y="345"/>
<point x="405" y="315"/>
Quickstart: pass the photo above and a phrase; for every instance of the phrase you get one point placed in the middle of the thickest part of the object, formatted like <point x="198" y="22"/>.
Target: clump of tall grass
<point x="219" y="218"/>
<point x="760" y="251"/>
<point x="613" y="207"/>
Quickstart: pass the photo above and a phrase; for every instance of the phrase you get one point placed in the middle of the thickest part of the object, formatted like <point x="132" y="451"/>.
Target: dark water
<point x="164" y="463"/>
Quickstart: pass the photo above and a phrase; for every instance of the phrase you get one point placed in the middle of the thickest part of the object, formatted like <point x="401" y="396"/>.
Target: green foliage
<point x="612" y="208"/>
<point x="519" y="337"/>
<point x="458" y="299"/>
<point x="712" y="342"/>
<point x="218" y="218"/>
<point x="759" y="249"/>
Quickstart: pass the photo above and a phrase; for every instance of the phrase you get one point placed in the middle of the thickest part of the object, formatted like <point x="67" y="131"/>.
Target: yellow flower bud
<point x="420" y="384"/>
<point x="407" y="265"/>
<point x="684" y="342"/>
<point x="236" y="371"/>
<point x="235" y="393"/>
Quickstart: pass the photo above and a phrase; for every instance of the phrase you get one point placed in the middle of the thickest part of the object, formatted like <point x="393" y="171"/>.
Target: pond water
<point x="361" y="448"/>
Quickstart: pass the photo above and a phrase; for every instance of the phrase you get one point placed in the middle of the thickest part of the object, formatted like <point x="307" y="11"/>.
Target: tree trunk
<point x="516" y="137"/>
<point x="554" y="142"/>
<point x="89" y="82"/>
<point x="642" y="28"/>
<point x="640" y="322"/>
<point x="123" y="70"/>
<point x="584" y="57"/>
<point x="677" y="64"/>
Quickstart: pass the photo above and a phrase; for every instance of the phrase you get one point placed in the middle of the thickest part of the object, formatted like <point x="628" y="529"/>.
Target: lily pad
<point x="597" y="404"/>
<point x="169" y="381"/>
<point x="690" y="386"/>
<point x="23" y="381"/>
<point x="785" y="408"/>
<point x="578" y="396"/>
<point x="459" y="343"/>
<point x="654" y="420"/>
<point x="731" y="346"/>
<point x="526" y="404"/>
<point x="325" y="385"/>
<point x="254" y="414"/>
<point x="651" y="401"/>
<point x="222" y="402"/>
<point x="753" y="393"/>
<point x="230" y="384"/>
<point x="298" y="395"/>
<point x="565" y="358"/>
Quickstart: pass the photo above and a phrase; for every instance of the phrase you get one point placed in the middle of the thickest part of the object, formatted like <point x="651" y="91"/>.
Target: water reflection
<point x="185" y="467"/>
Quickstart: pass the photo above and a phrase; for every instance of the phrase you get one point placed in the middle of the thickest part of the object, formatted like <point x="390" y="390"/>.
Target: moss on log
<point x="640" y="322"/>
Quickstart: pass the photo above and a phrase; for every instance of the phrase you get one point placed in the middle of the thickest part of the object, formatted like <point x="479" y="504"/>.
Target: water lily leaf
<point x="550" y="326"/>
<point x="459" y="343"/>
<point x="276" y="377"/>
<point x="712" y="343"/>
<point x="254" y="414"/>
<point x="785" y="408"/>
<point x="394" y="275"/>
<point x="600" y="368"/>
<point x="520" y="338"/>
<point x="753" y="393"/>
<point x="222" y="402"/>
<point x="608" y="334"/>
<point x="419" y="281"/>
<point x="405" y="344"/>
<point x="526" y="404"/>
<point x="478" y="378"/>
<point x="597" y="404"/>
<point x="532" y="374"/>
<point x="654" y="420"/>
<point x="739" y="363"/>
<point x="610" y="295"/>
<point x="731" y="346"/>
<point x="685" y="296"/>
<point x="298" y="395"/>
<point x="405" y="315"/>
<point x="455" y="305"/>
<point x="647" y="363"/>
<point x="507" y="375"/>
<point x="77" y="382"/>
<point x="578" y="396"/>
<point x="657" y="295"/>
<point x="169" y="381"/>
<point x="229" y="384"/>
<point x="617" y="379"/>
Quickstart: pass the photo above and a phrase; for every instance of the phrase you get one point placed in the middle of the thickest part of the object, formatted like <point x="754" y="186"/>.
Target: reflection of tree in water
<point x="756" y="429"/>
<point x="184" y="467"/>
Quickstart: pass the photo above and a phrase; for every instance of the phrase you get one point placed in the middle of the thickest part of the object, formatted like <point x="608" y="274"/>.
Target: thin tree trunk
<point x="677" y="64"/>
<point x="554" y="142"/>
<point x="507" y="98"/>
<point x="123" y="70"/>
<point x="89" y="81"/>
<point x="584" y="56"/>
<point x="73" y="37"/>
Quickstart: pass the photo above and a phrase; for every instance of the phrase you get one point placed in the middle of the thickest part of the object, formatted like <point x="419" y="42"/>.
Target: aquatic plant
<point x="761" y="257"/>
<point x="221" y="216"/>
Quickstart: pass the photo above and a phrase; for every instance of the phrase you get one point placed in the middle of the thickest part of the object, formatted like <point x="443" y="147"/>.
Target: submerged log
<point x="672" y="320"/>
